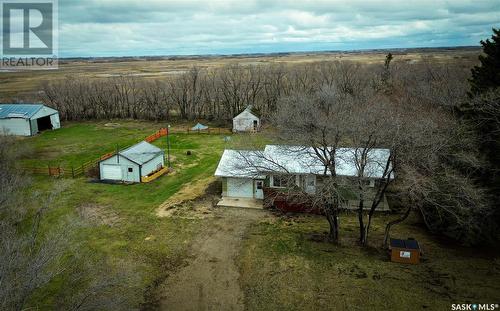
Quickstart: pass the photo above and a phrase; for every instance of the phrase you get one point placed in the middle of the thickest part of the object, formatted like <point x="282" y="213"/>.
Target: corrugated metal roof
<point x="296" y="160"/>
<point x="24" y="111"/>
<point x="303" y="160"/>
<point x="141" y="153"/>
<point x="239" y="163"/>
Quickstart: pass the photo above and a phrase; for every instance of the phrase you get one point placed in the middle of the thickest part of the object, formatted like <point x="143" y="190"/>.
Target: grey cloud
<point x="169" y="27"/>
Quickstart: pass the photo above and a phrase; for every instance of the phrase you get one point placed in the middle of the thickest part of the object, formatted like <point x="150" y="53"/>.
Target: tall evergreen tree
<point x="482" y="111"/>
<point x="487" y="75"/>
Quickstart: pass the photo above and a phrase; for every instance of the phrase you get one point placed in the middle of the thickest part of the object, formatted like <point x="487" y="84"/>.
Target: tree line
<point x="219" y="94"/>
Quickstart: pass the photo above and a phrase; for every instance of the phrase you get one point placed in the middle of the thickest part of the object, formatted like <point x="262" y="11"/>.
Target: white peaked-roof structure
<point x="141" y="153"/>
<point x="133" y="163"/>
<point x="247" y="121"/>
<point x="27" y="119"/>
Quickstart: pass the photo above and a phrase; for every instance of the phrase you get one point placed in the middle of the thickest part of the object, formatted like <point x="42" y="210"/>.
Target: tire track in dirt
<point x="209" y="281"/>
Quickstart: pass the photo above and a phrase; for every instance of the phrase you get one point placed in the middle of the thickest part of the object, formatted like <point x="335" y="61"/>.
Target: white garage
<point x="239" y="182"/>
<point x="111" y="172"/>
<point x="133" y="163"/>
<point x="240" y="187"/>
<point x="27" y="119"/>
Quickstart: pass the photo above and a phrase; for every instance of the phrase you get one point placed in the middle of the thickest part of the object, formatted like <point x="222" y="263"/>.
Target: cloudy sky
<point x="180" y="27"/>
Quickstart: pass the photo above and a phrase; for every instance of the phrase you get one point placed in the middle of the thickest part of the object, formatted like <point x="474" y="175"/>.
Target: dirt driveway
<point x="209" y="281"/>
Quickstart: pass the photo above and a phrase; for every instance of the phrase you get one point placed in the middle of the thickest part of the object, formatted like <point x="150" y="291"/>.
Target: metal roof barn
<point x="27" y="119"/>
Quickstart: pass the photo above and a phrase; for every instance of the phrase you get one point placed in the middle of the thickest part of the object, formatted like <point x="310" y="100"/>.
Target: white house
<point x="246" y="173"/>
<point x="27" y="119"/>
<point x="247" y="121"/>
<point x="133" y="163"/>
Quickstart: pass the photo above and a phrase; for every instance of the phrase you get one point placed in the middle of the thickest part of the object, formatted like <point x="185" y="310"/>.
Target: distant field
<point x="27" y="84"/>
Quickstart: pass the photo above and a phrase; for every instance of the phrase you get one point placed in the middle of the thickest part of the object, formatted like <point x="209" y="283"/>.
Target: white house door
<point x="310" y="184"/>
<point x="111" y="172"/>
<point x="258" y="188"/>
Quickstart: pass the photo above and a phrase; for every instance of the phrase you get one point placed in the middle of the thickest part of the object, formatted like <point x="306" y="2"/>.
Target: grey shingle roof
<point x="24" y="111"/>
<point x="141" y="153"/>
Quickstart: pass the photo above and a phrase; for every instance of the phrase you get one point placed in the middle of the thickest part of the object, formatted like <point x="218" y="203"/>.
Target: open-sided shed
<point x="27" y="119"/>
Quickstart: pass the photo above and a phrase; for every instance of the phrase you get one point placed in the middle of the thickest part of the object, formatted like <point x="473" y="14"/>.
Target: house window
<point x="369" y="182"/>
<point x="130" y="169"/>
<point x="260" y="184"/>
<point x="281" y="181"/>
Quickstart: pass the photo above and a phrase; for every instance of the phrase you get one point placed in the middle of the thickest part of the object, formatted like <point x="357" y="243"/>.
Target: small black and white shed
<point x="27" y="119"/>
<point x="133" y="163"/>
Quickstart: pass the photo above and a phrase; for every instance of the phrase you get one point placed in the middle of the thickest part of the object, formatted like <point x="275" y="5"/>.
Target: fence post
<point x="72" y="171"/>
<point x="49" y="168"/>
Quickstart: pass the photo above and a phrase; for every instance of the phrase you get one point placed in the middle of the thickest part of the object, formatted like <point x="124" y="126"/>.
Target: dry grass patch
<point x="98" y="214"/>
<point x="183" y="199"/>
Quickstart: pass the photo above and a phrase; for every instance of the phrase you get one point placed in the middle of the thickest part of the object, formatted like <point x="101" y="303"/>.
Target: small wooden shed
<point x="405" y="251"/>
<point x="247" y="121"/>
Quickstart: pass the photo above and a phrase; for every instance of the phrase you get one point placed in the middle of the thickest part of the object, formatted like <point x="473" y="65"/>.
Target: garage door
<point x="240" y="187"/>
<point x="113" y="172"/>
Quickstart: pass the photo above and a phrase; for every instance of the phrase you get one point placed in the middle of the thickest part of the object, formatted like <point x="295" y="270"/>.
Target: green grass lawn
<point x="78" y="142"/>
<point x="130" y="232"/>
<point x="283" y="268"/>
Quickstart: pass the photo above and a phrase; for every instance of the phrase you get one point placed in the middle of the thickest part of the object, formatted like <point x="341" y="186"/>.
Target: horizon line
<point x="275" y="53"/>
